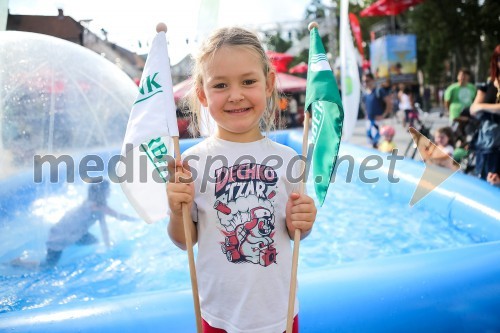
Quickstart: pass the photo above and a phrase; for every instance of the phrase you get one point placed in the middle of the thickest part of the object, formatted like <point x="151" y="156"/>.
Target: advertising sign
<point x="394" y="56"/>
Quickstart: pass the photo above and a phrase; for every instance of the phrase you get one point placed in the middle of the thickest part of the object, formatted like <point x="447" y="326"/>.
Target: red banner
<point x="280" y="60"/>
<point x="356" y="31"/>
<point x="389" y="7"/>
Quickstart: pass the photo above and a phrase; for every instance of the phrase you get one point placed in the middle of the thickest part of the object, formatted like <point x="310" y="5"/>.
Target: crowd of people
<point x="473" y="132"/>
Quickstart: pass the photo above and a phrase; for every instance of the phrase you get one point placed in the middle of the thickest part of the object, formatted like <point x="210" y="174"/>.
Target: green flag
<point x="324" y="104"/>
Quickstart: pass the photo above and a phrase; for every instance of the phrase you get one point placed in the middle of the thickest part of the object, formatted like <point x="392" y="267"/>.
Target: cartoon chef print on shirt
<point x="243" y="194"/>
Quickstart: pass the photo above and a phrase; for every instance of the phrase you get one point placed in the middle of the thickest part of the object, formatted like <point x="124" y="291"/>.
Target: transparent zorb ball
<point x="57" y="97"/>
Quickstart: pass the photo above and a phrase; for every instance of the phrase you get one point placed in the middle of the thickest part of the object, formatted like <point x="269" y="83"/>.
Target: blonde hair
<point x="230" y="36"/>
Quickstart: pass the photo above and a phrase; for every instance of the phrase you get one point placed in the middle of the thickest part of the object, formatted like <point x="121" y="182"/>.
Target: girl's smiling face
<point x="441" y="139"/>
<point x="235" y="90"/>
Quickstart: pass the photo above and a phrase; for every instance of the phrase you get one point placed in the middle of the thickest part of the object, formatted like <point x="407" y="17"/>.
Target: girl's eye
<point x="220" y="86"/>
<point x="249" y="82"/>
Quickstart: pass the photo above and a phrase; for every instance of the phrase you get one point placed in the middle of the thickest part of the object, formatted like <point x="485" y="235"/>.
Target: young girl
<point x="387" y="145"/>
<point x="443" y="138"/>
<point x="244" y="203"/>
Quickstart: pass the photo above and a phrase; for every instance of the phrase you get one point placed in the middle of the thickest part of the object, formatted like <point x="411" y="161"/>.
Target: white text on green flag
<point x="324" y="103"/>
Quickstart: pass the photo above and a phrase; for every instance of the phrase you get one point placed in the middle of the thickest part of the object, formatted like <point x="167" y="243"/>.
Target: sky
<point x="128" y="22"/>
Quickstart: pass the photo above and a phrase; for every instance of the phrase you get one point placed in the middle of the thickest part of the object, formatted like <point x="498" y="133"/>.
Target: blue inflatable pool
<point x="447" y="290"/>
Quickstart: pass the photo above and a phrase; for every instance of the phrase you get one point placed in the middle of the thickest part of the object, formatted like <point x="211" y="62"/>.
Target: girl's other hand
<point x="300" y="213"/>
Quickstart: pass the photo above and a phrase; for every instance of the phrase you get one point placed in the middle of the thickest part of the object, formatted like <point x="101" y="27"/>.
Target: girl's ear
<point x="200" y="92"/>
<point x="270" y="83"/>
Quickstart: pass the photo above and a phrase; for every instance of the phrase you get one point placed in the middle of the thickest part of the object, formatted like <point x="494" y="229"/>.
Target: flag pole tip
<point x="161" y="27"/>
<point x="312" y="25"/>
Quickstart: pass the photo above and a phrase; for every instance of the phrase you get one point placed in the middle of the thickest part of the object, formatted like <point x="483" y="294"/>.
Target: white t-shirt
<point x="404" y="102"/>
<point x="448" y="149"/>
<point x="244" y="250"/>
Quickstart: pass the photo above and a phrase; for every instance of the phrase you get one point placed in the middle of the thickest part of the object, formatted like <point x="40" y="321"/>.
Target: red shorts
<point x="209" y="329"/>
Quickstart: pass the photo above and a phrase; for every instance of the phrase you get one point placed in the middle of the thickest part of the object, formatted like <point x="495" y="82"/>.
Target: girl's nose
<point x="235" y="95"/>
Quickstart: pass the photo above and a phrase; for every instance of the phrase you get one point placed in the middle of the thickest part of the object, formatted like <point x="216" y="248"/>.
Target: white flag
<point x="148" y="142"/>
<point x="351" y="88"/>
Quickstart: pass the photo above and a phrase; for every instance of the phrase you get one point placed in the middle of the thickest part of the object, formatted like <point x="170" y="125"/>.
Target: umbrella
<point x="290" y="84"/>
<point x="286" y="83"/>
<point x="299" y="68"/>
<point x="182" y="89"/>
<point x="389" y="7"/>
<point x="279" y="60"/>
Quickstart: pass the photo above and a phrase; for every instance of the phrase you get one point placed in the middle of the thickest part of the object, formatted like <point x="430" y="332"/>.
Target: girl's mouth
<point x="237" y="110"/>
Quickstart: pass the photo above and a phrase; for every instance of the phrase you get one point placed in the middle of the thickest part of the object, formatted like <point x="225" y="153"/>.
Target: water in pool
<point x="142" y="257"/>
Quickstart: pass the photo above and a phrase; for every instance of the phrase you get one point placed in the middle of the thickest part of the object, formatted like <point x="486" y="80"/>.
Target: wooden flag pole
<point x="297" y="234"/>
<point x="187" y="222"/>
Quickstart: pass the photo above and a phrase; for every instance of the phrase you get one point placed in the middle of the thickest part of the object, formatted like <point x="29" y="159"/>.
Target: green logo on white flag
<point x="348" y="85"/>
<point x="148" y="88"/>
<point x="157" y="152"/>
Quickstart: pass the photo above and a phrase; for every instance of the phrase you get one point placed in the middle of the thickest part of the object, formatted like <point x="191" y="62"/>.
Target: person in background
<point x="395" y="100"/>
<point x="406" y="104"/>
<point x="443" y="155"/>
<point x="282" y="116"/>
<point x="293" y="111"/>
<point x="387" y="145"/>
<point x="443" y="138"/>
<point x="377" y="106"/>
<point x="486" y="108"/>
<point x="73" y="227"/>
<point x="459" y="95"/>
<point x="427" y="99"/>
<point x="440" y="97"/>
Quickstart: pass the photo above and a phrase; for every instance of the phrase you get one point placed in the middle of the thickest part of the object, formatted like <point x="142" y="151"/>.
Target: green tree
<point x="276" y="43"/>
<point x="315" y="11"/>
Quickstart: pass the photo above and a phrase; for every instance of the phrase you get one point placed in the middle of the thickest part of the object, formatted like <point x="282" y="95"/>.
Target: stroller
<point x="415" y="120"/>
<point x="465" y="129"/>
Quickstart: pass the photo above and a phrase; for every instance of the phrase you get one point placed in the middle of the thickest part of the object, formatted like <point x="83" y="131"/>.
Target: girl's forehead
<point x="230" y="54"/>
<point x="247" y="49"/>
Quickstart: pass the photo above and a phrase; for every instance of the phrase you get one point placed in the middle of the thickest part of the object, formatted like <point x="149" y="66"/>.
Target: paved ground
<point x="402" y="137"/>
